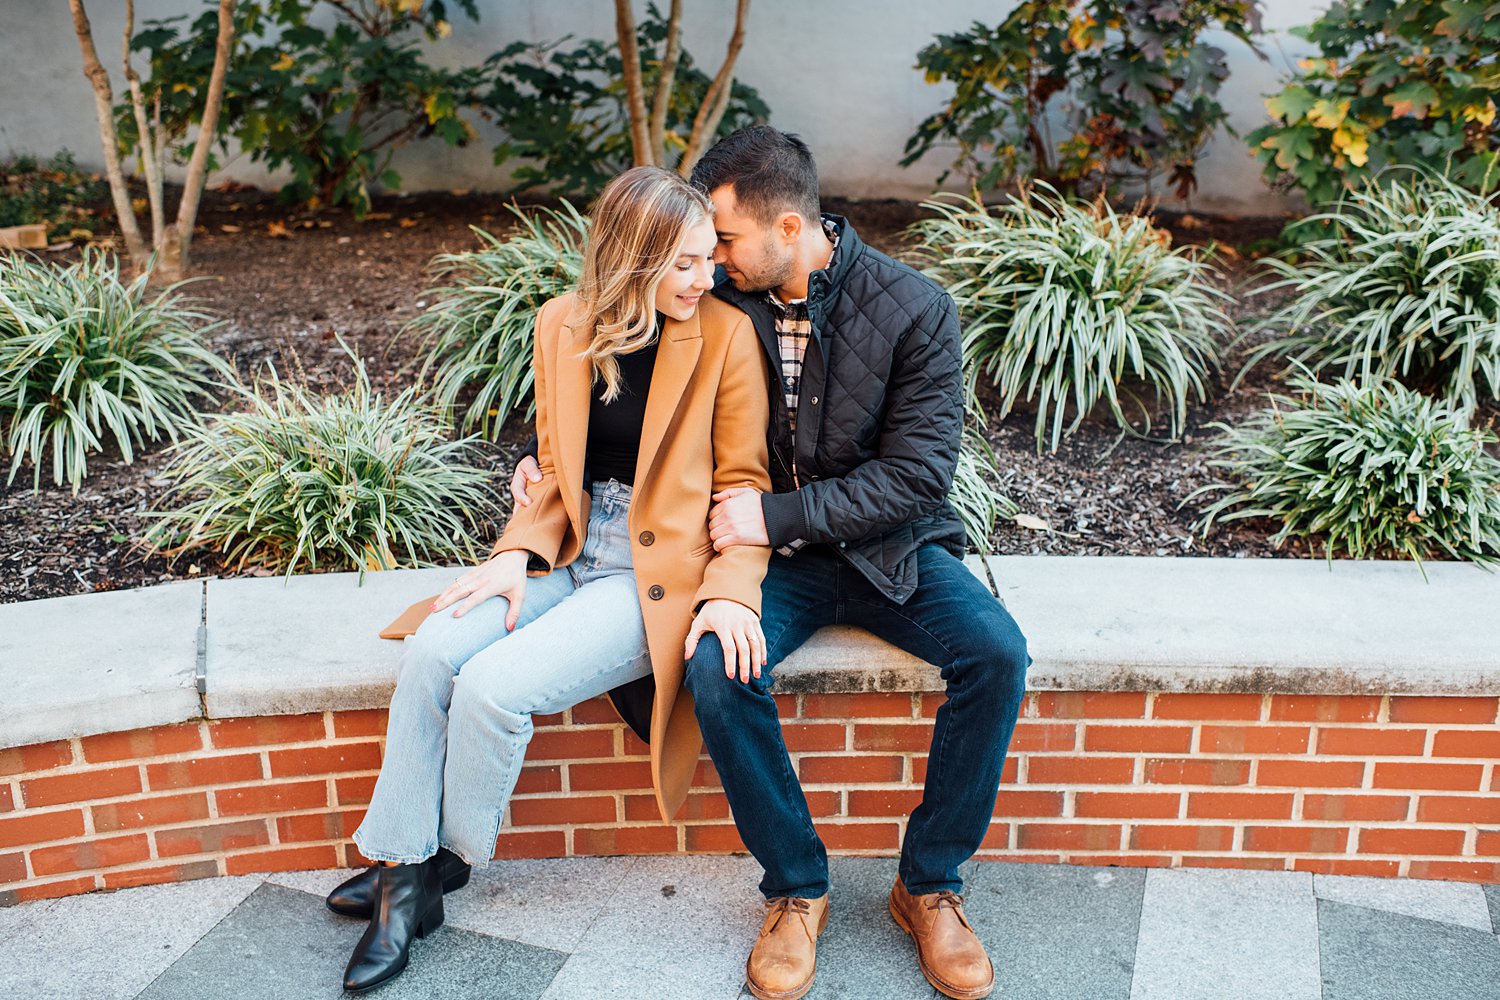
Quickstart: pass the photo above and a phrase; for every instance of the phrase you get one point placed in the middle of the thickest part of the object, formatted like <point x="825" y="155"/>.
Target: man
<point x="865" y="434"/>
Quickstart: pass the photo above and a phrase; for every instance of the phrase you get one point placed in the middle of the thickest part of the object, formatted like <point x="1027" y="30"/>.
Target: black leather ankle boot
<point x="355" y="896"/>
<point x="408" y="905"/>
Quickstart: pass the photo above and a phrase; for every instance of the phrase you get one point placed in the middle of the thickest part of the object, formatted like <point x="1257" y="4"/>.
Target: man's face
<point x="756" y="257"/>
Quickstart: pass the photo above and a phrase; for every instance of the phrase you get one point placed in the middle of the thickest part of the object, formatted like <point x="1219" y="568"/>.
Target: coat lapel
<point x="571" y="404"/>
<point x="676" y="360"/>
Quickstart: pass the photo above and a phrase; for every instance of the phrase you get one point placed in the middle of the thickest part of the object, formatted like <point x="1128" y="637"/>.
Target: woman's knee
<point x="477" y="698"/>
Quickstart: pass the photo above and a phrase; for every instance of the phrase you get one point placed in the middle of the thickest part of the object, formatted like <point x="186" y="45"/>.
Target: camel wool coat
<point x="705" y="425"/>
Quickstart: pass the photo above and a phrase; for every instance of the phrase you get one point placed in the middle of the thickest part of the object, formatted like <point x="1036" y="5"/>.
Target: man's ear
<point x="789" y="227"/>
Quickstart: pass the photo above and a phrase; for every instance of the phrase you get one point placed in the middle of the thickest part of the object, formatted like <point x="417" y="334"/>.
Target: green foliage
<point x="84" y="357"/>
<point x="1373" y="469"/>
<point x="975" y="495"/>
<point x="328" y="90"/>
<point x="349" y="481"/>
<point x="564" y="110"/>
<point x="1138" y="85"/>
<point x="478" y="330"/>
<point x="1063" y="302"/>
<point x="1396" y="279"/>
<point x="1397" y="82"/>
<point x="52" y="192"/>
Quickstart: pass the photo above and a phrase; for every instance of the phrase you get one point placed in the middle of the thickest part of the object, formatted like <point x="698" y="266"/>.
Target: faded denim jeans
<point x="460" y="719"/>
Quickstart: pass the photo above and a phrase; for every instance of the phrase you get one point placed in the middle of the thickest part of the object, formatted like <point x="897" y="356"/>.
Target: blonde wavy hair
<point x="638" y="224"/>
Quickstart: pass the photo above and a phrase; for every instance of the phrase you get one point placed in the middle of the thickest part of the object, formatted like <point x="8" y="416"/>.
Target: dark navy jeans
<point x="952" y="622"/>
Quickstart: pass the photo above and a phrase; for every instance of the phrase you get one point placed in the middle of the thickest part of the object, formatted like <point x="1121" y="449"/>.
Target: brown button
<point x="656" y="593"/>
<point x="647" y="538"/>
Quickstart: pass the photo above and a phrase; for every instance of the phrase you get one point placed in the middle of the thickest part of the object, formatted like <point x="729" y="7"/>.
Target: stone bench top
<point x="75" y="666"/>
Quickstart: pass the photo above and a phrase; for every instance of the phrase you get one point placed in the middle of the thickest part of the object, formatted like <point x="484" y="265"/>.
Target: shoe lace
<point x="780" y="906"/>
<point x="948" y="899"/>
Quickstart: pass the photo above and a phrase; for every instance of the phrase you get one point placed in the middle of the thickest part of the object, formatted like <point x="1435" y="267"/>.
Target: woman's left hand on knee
<point x="739" y="633"/>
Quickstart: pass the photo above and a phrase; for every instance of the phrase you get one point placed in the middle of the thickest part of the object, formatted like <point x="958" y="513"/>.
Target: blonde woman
<point x="651" y="397"/>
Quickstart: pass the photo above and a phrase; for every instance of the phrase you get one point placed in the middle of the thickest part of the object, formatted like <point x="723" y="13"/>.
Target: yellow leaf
<point x="1328" y="114"/>
<point x="278" y="229"/>
<point x="283" y="64"/>
<point x="139" y="205"/>
<point x="178" y="88"/>
<point x="407" y="223"/>
<point x="1482" y="115"/>
<point x="444" y="29"/>
<point x="1079" y="33"/>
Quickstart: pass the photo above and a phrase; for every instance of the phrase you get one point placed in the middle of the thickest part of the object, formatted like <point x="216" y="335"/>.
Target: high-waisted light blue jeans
<point x="460" y="719"/>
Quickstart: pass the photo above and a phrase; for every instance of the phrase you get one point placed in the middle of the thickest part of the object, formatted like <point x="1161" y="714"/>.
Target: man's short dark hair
<point x="771" y="172"/>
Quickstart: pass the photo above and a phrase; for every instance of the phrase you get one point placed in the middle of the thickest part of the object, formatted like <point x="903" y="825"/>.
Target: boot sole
<point x="761" y="993"/>
<point x="947" y="990"/>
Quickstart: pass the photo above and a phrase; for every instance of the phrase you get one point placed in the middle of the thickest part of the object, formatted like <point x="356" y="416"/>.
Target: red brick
<point x="996" y="838"/>
<point x="563" y="810"/>
<point x="273" y="799"/>
<point x="1311" y="773"/>
<point x="859" y="836"/>
<point x="850" y="770"/>
<point x="884" y="801"/>
<point x="1451" y="777"/>
<point x="1068" y="837"/>
<point x="1022" y="802"/>
<point x="786" y="705"/>
<point x="539" y="778"/>
<point x="821" y="803"/>
<point x="596" y="711"/>
<point x="928" y="705"/>
<point x="609" y="776"/>
<point x="531" y="844"/>
<point x="1237" y="861"/>
<point x="1457" y="871"/>
<point x="39" y="828"/>
<point x="1127" y="805"/>
<point x="356" y="791"/>
<point x="1253" y="739"/>
<point x="213" y="839"/>
<point x="1348" y="866"/>
<point x="365" y="722"/>
<point x="287" y="859"/>
<point x="865" y="705"/>
<point x="1122" y="860"/>
<point x="1192" y="771"/>
<point x="163" y="810"/>
<point x="1467" y="743"/>
<point x="185" y="872"/>
<point x="713" y="837"/>
<point x="35" y="757"/>
<point x="1240" y="805"/>
<point x="1043" y="736"/>
<point x="1079" y="770"/>
<point x="571" y="744"/>
<point x="335" y="759"/>
<point x="803" y="737"/>
<point x="1383" y="742"/>
<point x="105" y="852"/>
<point x="267" y="730"/>
<point x="12" y="868"/>
<point x="698" y="806"/>
<point x="1181" y="838"/>
<point x="7" y="803"/>
<point x="202" y="771"/>
<point x="1297" y="839"/>
<point x="632" y="745"/>
<point x="1410" y="841"/>
<point x="318" y="826"/>
<point x="1487" y="844"/>
<point x="1206" y="706"/>
<point x="1091" y="705"/>
<point x="705" y="776"/>
<point x="625" y="840"/>
<point x="1325" y="708"/>
<point x="80" y="786"/>
<point x="1483" y="809"/>
<point x="137" y="743"/>
<point x="554" y="720"/>
<point x="1464" y="711"/>
<point x="1138" y="739"/>
<point x="1355" y="807"/>
<point x="892" y="736"/>
<point x="354" y="859"/>
<point x="48" y="890"/>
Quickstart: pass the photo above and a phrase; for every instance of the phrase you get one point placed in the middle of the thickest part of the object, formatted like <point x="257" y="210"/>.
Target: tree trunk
<point x="148" y="138"/>
<point x="716" y="100"/>
<point x="635" y="96"/>
<point x="657" y="132"/>
<point x="197" y="172"/>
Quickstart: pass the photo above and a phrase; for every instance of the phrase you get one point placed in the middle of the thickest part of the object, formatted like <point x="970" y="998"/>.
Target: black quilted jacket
<point x="879" y="416"/>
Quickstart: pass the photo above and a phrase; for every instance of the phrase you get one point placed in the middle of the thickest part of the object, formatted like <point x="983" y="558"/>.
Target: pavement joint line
<point x="200" y="669"/>
<point x="199" y="940"/>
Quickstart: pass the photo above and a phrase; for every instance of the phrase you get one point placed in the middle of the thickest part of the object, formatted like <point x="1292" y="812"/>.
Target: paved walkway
<point x="669" y="927"/>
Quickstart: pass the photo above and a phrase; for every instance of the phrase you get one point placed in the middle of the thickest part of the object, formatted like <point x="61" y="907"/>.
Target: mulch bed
<point x="288" y="299"/>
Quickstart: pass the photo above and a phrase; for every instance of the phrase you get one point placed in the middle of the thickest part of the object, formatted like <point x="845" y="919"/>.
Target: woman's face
<point x="691" y="273"/>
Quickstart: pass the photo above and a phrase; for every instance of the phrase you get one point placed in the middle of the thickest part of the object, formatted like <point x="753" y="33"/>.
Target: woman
<point x="651" y="397"/>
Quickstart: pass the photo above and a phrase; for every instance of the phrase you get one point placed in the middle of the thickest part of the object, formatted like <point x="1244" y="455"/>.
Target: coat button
<point x="814" y="401"/>
<point x="647" y="538"/>
<point x="656" y="593"/>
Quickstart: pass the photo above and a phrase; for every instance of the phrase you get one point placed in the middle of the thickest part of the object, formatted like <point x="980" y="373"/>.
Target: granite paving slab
<point x="1374" y="955"/>
<point x="1447" y="902"/>
<point x="546" y="903"/>
<point x="1492" y="896"/>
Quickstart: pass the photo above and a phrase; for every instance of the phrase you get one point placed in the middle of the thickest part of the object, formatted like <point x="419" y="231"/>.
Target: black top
<point x="615" y="428"/>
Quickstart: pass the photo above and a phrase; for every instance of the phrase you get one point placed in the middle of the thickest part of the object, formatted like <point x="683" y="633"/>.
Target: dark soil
<point x="288" y="299"/>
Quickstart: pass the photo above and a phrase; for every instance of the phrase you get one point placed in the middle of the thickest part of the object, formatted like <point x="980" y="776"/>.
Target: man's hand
<point x="504" y="575"/>
<point x="736" y="519"/>
<point x="738" y="629"/>
<point x="527" y="470"/>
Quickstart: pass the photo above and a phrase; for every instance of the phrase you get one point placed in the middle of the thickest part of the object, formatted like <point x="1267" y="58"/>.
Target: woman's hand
<point x="738" y="629"/>
<point x="503" y="575"/>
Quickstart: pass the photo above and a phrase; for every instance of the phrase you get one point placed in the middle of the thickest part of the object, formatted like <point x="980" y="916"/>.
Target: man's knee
<point x="997" y="654"/>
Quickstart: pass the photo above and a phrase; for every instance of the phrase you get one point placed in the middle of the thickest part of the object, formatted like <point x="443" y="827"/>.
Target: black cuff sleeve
<point x="529" y="449"/>
<point x="785" y="520"/>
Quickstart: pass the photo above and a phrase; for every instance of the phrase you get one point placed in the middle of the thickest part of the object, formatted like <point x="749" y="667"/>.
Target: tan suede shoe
<point x="785" y="957"/>
<point x="948" y="950"/>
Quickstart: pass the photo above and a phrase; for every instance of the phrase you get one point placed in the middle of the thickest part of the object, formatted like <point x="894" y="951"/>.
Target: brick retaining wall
<point x="1359" y="785"/>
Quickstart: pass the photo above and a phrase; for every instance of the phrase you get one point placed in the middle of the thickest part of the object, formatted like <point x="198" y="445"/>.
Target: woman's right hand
<point x="502" y="575"/>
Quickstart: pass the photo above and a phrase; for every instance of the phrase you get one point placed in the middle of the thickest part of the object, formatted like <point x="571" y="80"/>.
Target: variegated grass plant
<point x="479" y="329"/>
<point x="345" y="481"/>
<point x="1403" y="281"/>
<point x="86" y="357"/>
<point x="975" y="494"/>
<point x="1064" y="302"/>
<point x="1372" y="469"/>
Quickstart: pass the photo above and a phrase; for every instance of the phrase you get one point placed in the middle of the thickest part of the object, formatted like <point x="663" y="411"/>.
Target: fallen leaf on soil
<point x="227" y="228"/>
<point x="407" y="223"/>
<point x="1031" y="521"/>
<point x="379" y="215"/>
<point x="277" y="229"/>
<point x="59" y="247"/>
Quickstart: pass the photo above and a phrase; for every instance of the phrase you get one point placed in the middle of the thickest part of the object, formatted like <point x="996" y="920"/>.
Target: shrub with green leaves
<point x="478" y="330"/>
<point x="1373" y="470"/>
<point x="346" y="481"/>
<point x="1399" y="278"/>
<point x="1064" y="303"/>
<point x="975" y="495"/>
<point x="85" y="358"/>
<point x="54" y="193"/>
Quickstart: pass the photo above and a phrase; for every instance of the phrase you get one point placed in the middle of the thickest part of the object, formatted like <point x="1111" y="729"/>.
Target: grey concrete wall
<point x="837" y="71"/>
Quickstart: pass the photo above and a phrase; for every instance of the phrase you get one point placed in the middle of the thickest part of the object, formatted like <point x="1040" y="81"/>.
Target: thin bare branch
<point x="635" y="97"/>
<point x="662" y="99"/>
<point x="147" y="137"/>
<point x="716" y="100"/>
<point x="192" y="185"/>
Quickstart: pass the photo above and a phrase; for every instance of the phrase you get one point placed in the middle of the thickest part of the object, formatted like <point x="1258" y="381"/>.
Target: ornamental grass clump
<point x="1374" y="470"/>
<point x="347" y="481"/>
<point x="86" y="358"/>
<point x="1065" y="304"/>
<point x="478" y="331"/>
<point x="974" y="495"/>
<point x="1403" y="281"/>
